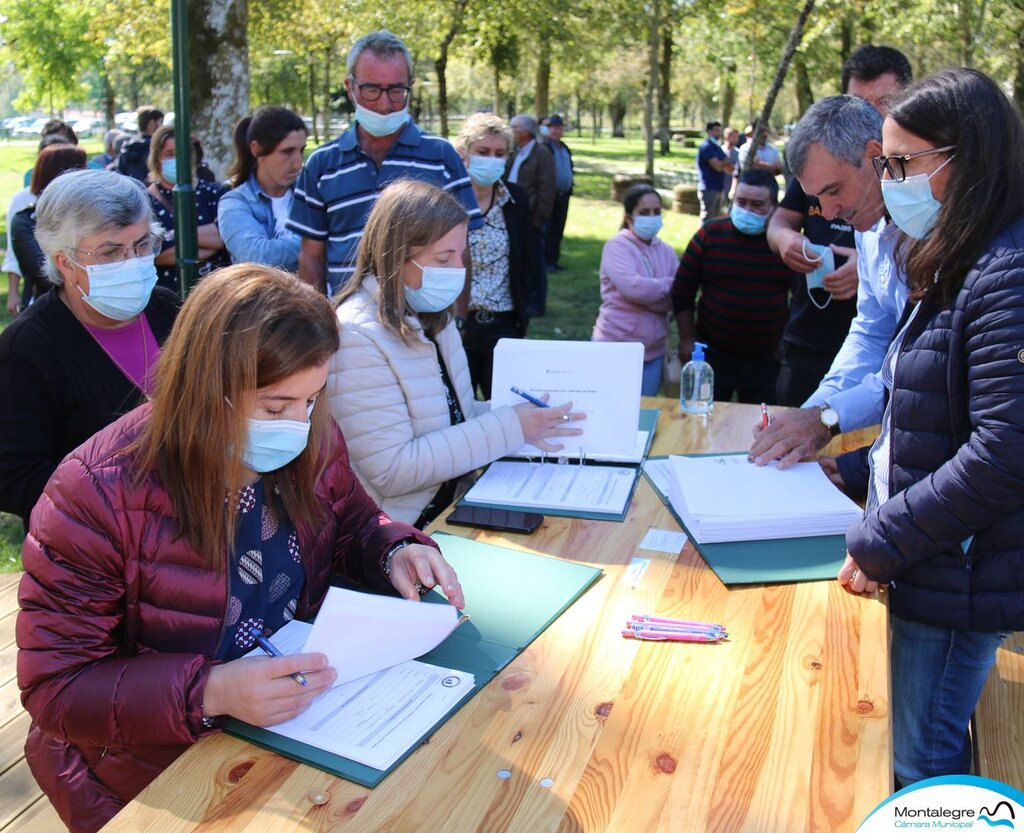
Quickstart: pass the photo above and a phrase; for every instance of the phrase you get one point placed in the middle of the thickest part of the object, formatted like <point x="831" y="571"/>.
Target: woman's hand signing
<point x="540" y="425"/>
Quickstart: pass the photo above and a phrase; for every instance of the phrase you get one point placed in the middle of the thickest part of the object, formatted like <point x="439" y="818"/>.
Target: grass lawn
<point x="573" y="295"/>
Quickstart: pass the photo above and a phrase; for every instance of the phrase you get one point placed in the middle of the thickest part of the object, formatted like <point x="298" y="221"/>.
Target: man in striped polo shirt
<point x="341" y="180"/>
<point x="744" y="294"/>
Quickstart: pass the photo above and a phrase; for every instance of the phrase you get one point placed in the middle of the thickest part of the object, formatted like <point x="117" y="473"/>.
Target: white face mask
<point x="273" y="443"/>
<point x="911" y="204"/>
<point x="440" y="286"/>
<point x="381" y="125"/>
<point x="120" y="290"/>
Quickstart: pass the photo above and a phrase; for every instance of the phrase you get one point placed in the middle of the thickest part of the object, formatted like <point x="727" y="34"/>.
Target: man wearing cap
<point x="563" y="190"/>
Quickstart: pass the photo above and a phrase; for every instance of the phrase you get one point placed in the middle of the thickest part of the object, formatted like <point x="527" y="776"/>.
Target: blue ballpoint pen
<point x="540" y="403"/>
<point x="268" y="648"/>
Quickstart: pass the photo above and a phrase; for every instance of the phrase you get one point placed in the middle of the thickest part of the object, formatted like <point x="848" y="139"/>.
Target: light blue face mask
<point x="440" y="286"/>
<point x="169" y="170"/>
<point x="486" y="170"/>
<point x="747" y="222"/>
<point x="120" y="290"/>
<point x="273" y="443"/>
<point x="826" y="260"/>
<point x="910" y="203"/>
<point x="647" y="226"/>
<point x="381" y="125"/>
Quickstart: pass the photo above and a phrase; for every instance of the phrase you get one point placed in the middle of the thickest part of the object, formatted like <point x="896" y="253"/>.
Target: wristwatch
<point x="830" y="419"/>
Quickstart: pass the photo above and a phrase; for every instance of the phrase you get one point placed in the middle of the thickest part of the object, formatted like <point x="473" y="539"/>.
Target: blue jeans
<point x="937" y="678"/>
<point x="651" y="383"/>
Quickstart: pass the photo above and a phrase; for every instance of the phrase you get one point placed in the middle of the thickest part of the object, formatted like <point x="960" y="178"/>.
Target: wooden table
<point x="784" y="728"/>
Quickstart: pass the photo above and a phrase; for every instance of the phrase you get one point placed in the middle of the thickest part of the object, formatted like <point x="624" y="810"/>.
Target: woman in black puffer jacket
<point x="945" y="519"/>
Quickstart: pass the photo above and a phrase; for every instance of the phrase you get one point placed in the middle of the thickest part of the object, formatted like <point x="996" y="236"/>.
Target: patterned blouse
<point x="265" y="576"/>
<point x="208" y="196"/>
<point x="488" y="245"/>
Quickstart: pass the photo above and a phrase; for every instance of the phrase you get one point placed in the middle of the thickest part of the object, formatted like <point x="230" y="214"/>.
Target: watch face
<point x="829" y="417"/>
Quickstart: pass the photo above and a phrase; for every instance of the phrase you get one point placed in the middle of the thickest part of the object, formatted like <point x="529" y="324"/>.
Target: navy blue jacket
<point x="957" y="456"/>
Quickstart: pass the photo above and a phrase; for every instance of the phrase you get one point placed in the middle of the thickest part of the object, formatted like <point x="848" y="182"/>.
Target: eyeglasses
<point x="397" y="93"/>
<point x="896" y="166"/>
<point x="115" y="253"/>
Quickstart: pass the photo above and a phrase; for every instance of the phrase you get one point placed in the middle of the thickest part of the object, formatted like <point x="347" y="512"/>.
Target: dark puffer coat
<point x="120" y="617"/>
<point x="952" y="535"/>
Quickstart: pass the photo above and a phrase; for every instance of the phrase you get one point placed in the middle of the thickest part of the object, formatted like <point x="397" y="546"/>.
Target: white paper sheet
<point x="549" y="485"/>
<point x="727" y="498"/>
<point x="602" y="379"/>
<point x="376" y="718"/>
<point x="363" y="632"/>
<point x="660" y="474"/>
<point x="664" y="540"/>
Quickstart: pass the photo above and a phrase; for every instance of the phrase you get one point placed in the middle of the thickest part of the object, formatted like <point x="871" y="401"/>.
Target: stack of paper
<point x="726" y="498"/>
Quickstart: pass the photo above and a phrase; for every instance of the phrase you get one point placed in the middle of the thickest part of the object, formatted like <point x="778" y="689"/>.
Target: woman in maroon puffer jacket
<point x="155" y="550"/>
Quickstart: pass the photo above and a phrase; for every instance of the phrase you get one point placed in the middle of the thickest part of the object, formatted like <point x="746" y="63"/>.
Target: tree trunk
<point x="654" y="28"/>
<point x="543" y="83"/>
<point x="845" y="39"/>
<point x="441" y="64"/>
<point x="617" y="112"/>
<point x="579" y="114"/>
<point x="665" y="90"/>
<point x="728" y="92"/>
<point x="109" y="104"/>
<point x="312" y="100"/>
<point x="327" y="94"/>
<point x="496" y="69"/>
<point x="1018" y="78"/>
<point x="804" y="93"/>
<point x="795" y="35"/>
<point x="218" y="75"/>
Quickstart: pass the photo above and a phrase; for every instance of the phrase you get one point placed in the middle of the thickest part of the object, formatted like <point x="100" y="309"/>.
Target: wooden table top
<point x="783" y="728"/>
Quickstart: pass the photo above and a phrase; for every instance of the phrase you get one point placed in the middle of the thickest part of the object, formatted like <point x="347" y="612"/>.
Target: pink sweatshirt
<point x="636" y="281"/>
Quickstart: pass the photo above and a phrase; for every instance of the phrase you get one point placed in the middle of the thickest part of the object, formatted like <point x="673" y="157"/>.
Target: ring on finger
<point x="565" y="417"/>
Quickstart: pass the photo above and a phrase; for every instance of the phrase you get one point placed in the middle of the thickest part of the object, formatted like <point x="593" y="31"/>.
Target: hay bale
<point x="621" y="183"/>
<point x="685" y="200"/>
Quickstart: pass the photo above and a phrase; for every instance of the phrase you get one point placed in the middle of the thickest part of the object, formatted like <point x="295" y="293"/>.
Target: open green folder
<point x="648" y="422"/>
<point x="778" y="561"/>
<point x="511" y="597"/>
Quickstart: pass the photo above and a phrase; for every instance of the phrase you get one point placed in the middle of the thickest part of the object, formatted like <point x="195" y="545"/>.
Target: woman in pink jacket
<point x="162" y="546"/>
<point x="637" y="270"/>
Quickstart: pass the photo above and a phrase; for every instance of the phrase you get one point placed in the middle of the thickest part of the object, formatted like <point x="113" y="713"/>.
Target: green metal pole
<point x="185" y="238"/>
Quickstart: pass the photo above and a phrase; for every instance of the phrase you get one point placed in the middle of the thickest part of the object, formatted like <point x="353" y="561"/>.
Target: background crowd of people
<point x="261" y="433"/>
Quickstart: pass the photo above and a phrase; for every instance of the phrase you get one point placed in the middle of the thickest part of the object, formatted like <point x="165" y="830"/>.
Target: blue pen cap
<point x="698" y="351"/>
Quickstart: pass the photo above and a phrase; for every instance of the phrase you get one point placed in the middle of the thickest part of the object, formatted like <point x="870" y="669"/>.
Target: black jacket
<point x="31" y="259"/>
<point x="57" y="389"/>
<point x="951" y="537"/>
<point x="523" y="266"/>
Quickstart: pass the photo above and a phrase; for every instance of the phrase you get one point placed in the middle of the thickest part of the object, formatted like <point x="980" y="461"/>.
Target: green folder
<point x="648" y="422"/>
<point x="511" y="598"/>
<point x="775" y="561"/>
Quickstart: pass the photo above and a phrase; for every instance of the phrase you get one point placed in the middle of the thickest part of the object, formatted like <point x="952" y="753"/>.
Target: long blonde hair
<point x="242" y="328"/>
<point x="408" y="214"/>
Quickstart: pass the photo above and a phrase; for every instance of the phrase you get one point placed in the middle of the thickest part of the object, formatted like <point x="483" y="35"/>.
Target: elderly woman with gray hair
<point x="505" y="261"/>
<point x="82" y="354"/>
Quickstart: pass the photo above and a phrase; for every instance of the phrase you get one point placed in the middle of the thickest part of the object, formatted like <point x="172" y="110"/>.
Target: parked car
<point x="89" y="127"/>
<point x="30" y="130"/>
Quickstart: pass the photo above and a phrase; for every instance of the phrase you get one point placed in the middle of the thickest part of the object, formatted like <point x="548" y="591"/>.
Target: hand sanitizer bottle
<point x="697" y="383"/>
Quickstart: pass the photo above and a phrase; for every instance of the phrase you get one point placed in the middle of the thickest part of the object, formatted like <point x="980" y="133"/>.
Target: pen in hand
<point x="765" y="419"/>
<point x="270" y="650"/>
<point x="540" y="403"/>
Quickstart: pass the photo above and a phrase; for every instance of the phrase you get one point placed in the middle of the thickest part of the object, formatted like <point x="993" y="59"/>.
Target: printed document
<point x="365" y="632"/>
<point x="726" y="498"/>
<point x="544" y="486"/>
<point x="602" y="379"/>
<point x="374" y="719"/>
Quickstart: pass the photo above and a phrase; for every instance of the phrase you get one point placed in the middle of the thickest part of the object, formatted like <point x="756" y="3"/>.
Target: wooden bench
<point x="23" y="807"/>
<point x="999" y="718"/>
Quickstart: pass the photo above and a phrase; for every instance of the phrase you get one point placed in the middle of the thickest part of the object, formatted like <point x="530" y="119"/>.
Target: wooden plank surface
<point x="783" y="728"/>
<point x="999" y="733"/>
